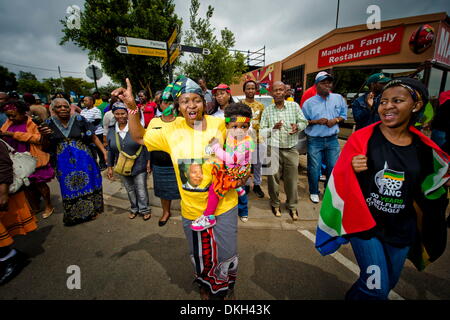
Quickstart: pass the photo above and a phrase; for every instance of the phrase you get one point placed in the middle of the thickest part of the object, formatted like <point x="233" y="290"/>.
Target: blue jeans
<point x="390" y="261"/>
<point x="243" y="206"/>
<point x="319" y="147"/>
<point x="258" y="158"/>
<point x="136" y="187"/>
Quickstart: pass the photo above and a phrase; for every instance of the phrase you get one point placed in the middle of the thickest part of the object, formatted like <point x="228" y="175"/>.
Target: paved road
<point x="121" y="258"/>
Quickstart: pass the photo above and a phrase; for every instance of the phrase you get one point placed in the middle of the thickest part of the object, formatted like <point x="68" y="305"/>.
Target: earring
<point x="414" y="110"/>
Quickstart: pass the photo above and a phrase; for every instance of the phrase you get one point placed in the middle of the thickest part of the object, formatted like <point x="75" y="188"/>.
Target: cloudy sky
<point x="30" y="30"/>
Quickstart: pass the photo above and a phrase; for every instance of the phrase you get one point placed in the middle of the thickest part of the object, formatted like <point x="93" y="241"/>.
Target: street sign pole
<point x="169" y="65"/>
<point x="95" y="77"/>
<point x="171" y="40"/>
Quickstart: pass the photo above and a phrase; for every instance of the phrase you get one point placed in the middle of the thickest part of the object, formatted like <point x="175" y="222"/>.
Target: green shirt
<point x="290" y="113"/>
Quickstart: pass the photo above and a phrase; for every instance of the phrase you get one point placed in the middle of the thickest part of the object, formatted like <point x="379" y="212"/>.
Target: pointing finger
<point x="129" y="88"/>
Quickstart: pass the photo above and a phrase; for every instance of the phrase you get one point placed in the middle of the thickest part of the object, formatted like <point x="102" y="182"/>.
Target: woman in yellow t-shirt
<point x="213" y="251"/>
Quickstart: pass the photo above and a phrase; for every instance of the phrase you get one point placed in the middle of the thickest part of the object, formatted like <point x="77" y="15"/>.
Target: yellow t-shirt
<point x="192" y="164"/>
<point x="98" y="102"/>
<point x="257" y="110"/>
<point x="157" y="123"/>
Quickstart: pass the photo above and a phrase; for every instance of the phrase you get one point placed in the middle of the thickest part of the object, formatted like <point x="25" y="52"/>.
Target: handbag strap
<point x="120" y="149"/>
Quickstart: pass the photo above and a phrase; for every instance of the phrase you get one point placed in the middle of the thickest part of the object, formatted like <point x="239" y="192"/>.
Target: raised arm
<point x="136" y="129"/>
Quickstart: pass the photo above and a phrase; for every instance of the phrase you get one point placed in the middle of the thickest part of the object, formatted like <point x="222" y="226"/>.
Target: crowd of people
<point x="386" y="192"/>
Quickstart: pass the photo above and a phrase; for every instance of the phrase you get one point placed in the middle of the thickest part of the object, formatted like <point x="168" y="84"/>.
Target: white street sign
<point x="142" y="43"/>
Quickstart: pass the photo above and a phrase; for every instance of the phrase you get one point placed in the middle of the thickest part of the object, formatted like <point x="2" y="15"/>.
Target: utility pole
<point x="60" y="77"/>
<point x="337" y="15"/>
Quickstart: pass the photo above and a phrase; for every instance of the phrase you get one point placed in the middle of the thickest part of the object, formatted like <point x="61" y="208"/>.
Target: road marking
<point x="347" y="263"/>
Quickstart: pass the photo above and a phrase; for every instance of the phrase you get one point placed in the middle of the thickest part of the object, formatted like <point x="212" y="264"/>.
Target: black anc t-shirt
<point x="389" y="186"/>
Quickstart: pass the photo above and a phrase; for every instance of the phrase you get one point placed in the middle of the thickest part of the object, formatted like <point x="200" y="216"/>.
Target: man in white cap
<point x="323" y="111"/>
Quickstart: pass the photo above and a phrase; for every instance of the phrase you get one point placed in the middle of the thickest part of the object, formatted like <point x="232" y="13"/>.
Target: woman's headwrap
<point x="119" y="105"/>
<point x="174" y="90"/>
<point x="417" y="89"/>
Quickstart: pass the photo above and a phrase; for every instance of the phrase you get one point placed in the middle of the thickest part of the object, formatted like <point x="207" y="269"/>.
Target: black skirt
<point x="165" y="183"/>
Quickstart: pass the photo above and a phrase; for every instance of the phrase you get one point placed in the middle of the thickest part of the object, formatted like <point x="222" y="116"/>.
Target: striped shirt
<point x="290" y="114"/>
<point x="91" y="115"/>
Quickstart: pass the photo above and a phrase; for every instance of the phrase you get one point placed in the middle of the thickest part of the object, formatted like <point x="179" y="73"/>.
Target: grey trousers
<point x="288" y="169"/>
<point x="136" y="187"/>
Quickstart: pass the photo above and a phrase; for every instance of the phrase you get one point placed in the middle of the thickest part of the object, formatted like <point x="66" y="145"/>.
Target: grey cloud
<point x="32" y="31"/>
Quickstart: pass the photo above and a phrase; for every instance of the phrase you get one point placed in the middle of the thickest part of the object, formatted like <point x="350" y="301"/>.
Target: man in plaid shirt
<point x="280" y="124"/>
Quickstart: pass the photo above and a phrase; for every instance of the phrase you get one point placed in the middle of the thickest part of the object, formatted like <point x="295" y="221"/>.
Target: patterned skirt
<point x="17" y="220"/>
<point x="214" y="253"/>
<point x="80" y="182"/>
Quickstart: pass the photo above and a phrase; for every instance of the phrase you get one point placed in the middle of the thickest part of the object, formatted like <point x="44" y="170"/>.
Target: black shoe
<point x="163" y="223"/>
<point x="103" y="168"/>
<point x="12" y="267"/>
<point x="258" y="191"/>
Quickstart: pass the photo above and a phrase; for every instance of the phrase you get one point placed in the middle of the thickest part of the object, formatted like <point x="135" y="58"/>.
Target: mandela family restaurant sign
<point x="378" y="44"/>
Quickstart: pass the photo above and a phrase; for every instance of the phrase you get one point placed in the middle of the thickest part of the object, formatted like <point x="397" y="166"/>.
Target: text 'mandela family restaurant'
<point x="353" y="53"/>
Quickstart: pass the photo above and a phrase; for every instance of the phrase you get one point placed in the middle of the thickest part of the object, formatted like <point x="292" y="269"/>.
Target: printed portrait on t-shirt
<point x="191" y="175"/>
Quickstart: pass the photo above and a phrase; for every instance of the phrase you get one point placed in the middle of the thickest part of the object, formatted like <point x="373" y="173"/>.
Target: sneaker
<point x="293" y="214"/>
<point x="244" y="219"/>
<point x="323" y="178"/>
<point x="314" y="198"/>
<point x="276" y="211"/>
<point x="258" y="191"/>
<point x="203" y="222"/>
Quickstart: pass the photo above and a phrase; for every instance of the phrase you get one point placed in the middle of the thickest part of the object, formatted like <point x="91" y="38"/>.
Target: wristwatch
<point x="338" y="120"/>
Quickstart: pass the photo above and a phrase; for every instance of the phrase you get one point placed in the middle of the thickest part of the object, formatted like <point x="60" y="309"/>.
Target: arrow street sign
<point x="172" y="37"/>
<point x="163" y="61"/>
<point x="174" y="55"/>
<point x="204" y="51"/>
<point x="142" y="43"/>
<point x="142" y="51"/>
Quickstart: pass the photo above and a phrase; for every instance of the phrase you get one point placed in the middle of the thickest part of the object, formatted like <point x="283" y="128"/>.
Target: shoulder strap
<point x="118" y="142"/>
<point x="120" y="149"/>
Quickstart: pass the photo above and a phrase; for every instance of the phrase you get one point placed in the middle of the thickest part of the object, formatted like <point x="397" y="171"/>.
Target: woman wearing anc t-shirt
<point x="387" y="194"/>
<point x="213" y="251"/>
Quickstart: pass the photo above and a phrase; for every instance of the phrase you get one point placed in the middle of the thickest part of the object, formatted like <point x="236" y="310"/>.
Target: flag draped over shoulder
<point x="344" y="210"/>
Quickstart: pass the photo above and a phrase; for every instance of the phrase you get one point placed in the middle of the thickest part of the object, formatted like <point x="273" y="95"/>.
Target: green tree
<point x="53" y="85"/>
<point x="103" y="20"/>
<point x="8" y="81"/>
<point x="220" y="66"/>
<point x="78" y="85"/>
<point x="108" y="88"/>
<point x="26" y="76"/>
<point x="31" y="86"/>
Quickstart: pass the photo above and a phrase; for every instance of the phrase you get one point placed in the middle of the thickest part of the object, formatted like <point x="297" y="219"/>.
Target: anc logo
<point x="389" y="182"/>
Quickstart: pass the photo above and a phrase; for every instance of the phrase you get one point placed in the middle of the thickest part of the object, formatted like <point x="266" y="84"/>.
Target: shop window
<point x="447" y="83"/>
<point x="434" y="83"/>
